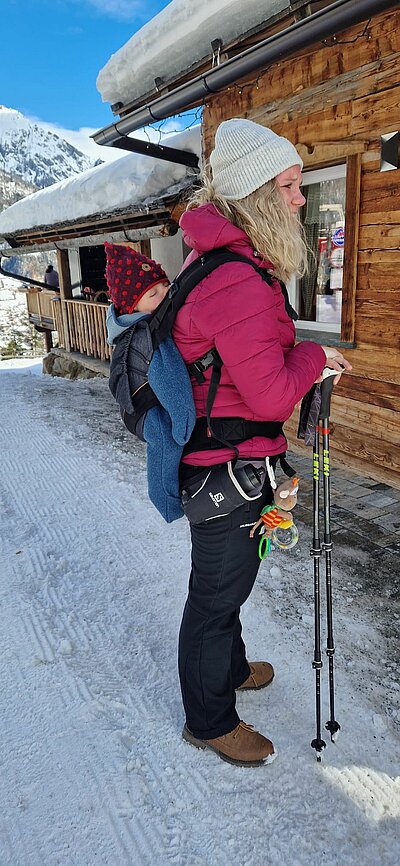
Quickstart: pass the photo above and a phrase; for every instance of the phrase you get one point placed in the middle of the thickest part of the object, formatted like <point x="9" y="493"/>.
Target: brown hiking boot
<point x="243" y="746"/>
<point x="261" y="675"/>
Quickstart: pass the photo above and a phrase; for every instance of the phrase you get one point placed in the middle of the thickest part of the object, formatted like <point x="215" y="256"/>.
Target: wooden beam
<point x="380" y="192"/>
<point x="373" y="364"/>
<point x="353" y="186"/>
<point x="372" y="392"/>
<point x="380" y="237"/>
<point x="64" y="275"/>
<point x="329" y="152"/>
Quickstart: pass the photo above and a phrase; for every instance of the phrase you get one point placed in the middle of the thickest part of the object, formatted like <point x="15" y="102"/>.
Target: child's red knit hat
<point x="129" y="276"/>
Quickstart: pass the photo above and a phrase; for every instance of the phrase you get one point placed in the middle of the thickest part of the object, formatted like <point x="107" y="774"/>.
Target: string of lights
<point x="196" y="114"/>
<point x="330" y="43"/>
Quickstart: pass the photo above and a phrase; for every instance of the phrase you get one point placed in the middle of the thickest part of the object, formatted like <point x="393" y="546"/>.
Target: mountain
<point x="30" y="159"/>
<point x="30" y="153"/>
<point x="13" y="188"/>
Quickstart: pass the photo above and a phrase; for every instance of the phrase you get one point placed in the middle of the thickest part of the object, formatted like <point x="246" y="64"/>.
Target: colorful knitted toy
<point x="278" y="517"/>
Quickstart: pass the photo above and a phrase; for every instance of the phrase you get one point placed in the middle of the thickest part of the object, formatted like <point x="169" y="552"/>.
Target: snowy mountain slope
<point x="13" y="188"/>
<point x="39" y="157"/>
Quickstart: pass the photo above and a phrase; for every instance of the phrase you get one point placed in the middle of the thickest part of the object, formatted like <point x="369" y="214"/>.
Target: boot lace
<point x="244" y="726"/>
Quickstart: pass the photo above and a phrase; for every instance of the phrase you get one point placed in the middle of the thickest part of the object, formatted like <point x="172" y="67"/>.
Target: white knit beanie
<point x="247" y="155"/>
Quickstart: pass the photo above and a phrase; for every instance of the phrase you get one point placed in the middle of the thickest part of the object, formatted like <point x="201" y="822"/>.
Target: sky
<point x="51" y="53"/>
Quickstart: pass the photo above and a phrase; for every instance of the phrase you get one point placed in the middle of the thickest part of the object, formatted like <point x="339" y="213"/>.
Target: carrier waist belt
<point x="233" y="430"/>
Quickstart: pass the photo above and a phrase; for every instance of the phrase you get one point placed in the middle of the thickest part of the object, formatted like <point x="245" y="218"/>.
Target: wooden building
<point x="338" y="101"/>
<point x="78" y="313"/>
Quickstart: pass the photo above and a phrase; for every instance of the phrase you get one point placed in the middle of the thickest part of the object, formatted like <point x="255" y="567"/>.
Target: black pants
<point x="212" y="655"/>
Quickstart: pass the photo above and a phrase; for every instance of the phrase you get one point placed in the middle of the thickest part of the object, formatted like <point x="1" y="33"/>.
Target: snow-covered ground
<point x="92" y="584"/>
<point x="14" y="321"/>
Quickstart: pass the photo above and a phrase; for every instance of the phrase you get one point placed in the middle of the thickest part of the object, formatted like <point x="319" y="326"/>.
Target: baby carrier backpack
<point x="134" y="350"/>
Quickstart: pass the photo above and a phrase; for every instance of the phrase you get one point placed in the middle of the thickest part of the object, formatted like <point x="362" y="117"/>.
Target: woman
<point x="249" y="206"/>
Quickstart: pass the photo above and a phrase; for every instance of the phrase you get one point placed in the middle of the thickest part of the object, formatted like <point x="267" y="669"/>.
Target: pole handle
<point x="326" y="392"/>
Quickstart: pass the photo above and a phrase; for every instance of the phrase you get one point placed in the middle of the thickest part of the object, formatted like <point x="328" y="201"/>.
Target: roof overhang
<point x="131" y="194"/>
<point x="185" y="39"/>
<point x="321" y="25"/>
<point x="119" y="226"/>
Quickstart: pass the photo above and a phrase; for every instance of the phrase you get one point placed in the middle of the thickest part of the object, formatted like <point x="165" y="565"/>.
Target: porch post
<point x="48" y="339"/>
<point x="65" y="291"/>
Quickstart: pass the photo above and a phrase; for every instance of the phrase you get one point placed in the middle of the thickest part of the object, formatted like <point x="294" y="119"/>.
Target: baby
<point x="135" y="283"/>
<point x="136" y="286"/>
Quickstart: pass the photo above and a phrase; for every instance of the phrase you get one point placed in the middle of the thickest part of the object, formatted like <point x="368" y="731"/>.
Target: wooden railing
<point x="59" y="323"/>
<point x="80" y="325"/>
<point x="86" y="324"/>
<point x="40" y="309"/>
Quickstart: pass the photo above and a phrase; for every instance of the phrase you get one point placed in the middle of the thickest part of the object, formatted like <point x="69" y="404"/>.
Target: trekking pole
<point x="326" y="392"/>
<point x="318" y="743"/>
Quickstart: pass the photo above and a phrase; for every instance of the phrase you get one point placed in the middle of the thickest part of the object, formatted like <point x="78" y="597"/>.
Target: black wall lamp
<point x="390" y="151"/>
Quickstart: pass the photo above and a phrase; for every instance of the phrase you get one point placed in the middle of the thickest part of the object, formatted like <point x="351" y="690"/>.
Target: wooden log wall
<point x="334" y="101"/>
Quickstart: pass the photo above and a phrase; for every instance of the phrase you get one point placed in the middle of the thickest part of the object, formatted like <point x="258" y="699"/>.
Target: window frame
<point x="350" y="167"/>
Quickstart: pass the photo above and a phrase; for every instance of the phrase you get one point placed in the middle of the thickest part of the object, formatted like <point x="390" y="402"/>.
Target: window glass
<point x="317" y="297"/>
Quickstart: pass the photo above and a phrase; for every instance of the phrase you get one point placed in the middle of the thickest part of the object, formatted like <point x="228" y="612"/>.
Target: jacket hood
<point x="116" y="325"/>
<point x="204" y="228"/>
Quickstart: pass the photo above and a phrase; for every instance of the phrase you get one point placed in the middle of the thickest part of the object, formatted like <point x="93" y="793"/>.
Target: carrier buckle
<point x="198" y="367"/>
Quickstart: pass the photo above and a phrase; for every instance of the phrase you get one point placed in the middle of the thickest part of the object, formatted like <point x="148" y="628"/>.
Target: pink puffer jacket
<point x="264" y="374"/>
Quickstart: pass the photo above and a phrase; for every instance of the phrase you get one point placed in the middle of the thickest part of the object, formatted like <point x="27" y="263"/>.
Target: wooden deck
<point x="80" y="325"/>
<point x="40" y="308"/>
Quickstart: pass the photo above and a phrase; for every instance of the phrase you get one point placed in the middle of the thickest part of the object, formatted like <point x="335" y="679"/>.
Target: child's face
<point x="152" y="298"/>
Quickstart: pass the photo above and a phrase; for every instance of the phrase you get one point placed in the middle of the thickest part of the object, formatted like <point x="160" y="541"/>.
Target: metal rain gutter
<point x="315" y="28"/>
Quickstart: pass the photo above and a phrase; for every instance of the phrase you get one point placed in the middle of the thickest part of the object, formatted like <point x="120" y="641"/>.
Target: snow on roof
<point x="176" y="39"/>
<point x="129" y="181"/>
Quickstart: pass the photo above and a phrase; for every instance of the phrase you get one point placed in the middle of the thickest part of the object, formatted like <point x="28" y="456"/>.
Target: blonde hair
<point x="275" y="232"/>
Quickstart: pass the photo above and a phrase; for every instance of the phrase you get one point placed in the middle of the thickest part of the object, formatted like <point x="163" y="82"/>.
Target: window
<point x="317" y="297"/>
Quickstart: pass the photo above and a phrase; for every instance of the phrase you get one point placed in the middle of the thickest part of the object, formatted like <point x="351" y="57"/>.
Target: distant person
<point x="51" y="278"/>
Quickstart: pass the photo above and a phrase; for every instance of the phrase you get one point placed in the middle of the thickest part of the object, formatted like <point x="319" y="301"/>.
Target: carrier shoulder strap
<point x="163" y="319"/>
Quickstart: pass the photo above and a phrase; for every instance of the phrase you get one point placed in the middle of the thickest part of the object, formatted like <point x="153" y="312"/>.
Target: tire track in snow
<point x="108" y="686"/>
<point x="121" y="709"/>
<point x="132" y="837"/>
<point x="376" y="793"/>
<point x="129" y="833"/>
<point x="136" y="708"/>
<point x="35" y="630"/>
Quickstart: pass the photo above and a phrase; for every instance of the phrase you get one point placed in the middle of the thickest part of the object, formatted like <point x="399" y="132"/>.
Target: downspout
<point x="315" y="28"/>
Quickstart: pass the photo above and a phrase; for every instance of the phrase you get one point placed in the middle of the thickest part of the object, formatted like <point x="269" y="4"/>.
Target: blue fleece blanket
<point x="168" y="427"/>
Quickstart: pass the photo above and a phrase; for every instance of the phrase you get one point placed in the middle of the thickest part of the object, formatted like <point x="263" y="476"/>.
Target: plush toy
<point x="277" y="517"/>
